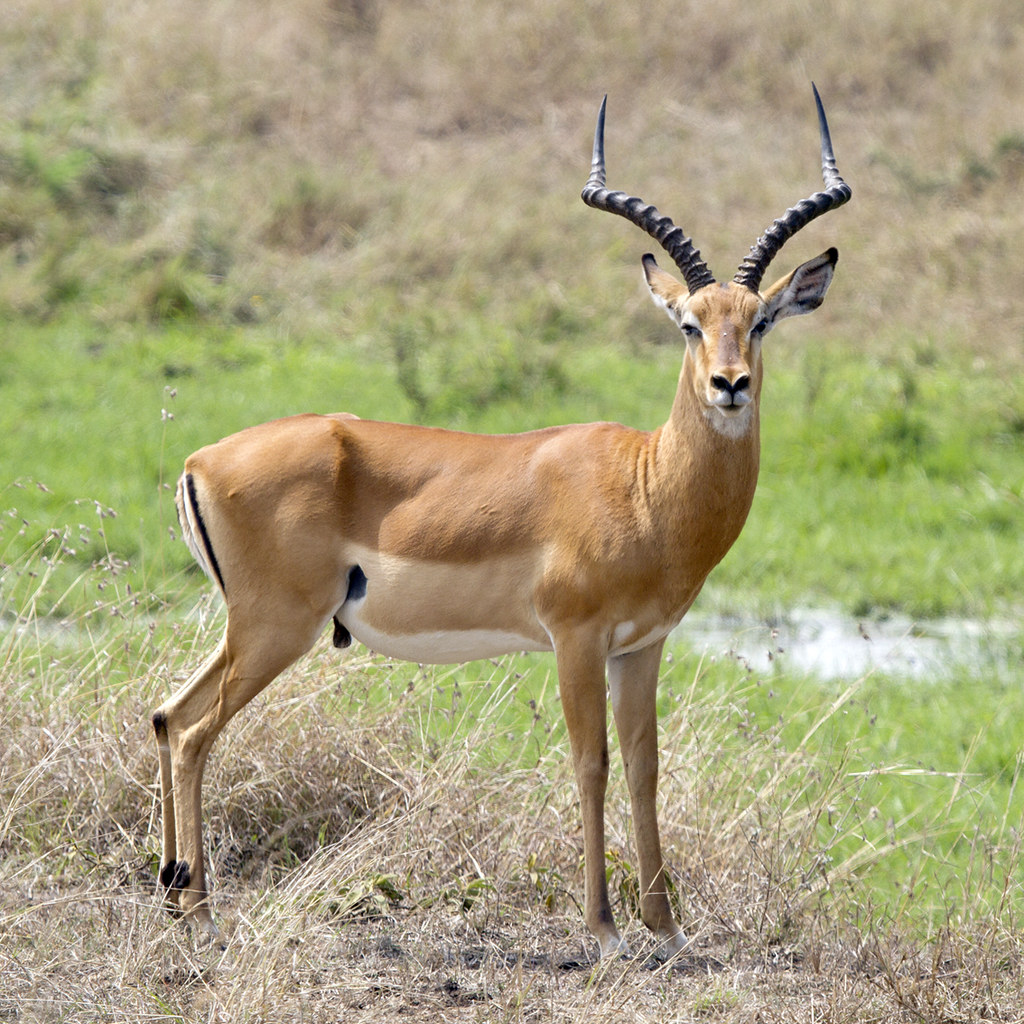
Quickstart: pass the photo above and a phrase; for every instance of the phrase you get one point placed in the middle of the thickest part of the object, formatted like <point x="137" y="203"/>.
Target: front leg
<point x="633" y="680"/>
<point x="581" y="681"/>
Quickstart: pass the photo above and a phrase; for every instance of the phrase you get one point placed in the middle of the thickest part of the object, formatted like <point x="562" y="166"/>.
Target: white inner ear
<point x="671" y="309"/>
<point x="804" y="292"/>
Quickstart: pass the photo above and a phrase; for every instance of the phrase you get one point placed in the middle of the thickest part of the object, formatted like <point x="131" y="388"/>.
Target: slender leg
<point x="188" y="724"/>
<point x="211" y="670"/>
<point x="581" y="680"/>
<point x="633" y="680"/>
<point x="169" y="845"/>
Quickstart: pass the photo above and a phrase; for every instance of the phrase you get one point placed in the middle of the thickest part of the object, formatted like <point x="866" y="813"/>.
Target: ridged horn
<point x="672" y="239"/>
<point x="836" y="193"/>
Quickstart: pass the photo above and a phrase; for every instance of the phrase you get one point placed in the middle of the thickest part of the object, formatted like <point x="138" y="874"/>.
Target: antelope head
<point x="724" y="323"/>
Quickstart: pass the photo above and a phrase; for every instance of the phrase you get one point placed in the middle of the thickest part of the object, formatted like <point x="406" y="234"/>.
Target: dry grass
<point x="296" y="153"/>
<point x="387" y="846"/>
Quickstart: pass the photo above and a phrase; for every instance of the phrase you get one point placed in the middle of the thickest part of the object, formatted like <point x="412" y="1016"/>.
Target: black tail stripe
<point x="204" y="536"/>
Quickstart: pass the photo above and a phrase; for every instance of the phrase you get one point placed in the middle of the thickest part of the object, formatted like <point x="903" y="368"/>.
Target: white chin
<point x="731" y="422"/>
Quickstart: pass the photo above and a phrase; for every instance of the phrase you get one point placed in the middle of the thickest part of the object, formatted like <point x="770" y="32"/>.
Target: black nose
<point x="741" y="383"/>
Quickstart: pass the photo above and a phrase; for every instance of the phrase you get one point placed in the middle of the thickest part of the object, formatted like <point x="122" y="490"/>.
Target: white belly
<point x="453" y="646"/>
<point x="439" y="647"/>
<point x="441" y="614"/>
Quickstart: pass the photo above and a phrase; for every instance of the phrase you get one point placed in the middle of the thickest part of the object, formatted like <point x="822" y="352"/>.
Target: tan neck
<point x="701" y="481"/>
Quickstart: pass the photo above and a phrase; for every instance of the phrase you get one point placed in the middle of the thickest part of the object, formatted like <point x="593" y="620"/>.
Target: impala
<point x="435" y="546"/>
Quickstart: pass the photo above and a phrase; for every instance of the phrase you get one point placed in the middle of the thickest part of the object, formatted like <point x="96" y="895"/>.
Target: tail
<point x="194" y="530"/>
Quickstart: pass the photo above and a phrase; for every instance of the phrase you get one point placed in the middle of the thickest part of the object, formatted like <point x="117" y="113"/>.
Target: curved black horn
<point x="836" y="193"/>
<point x="694" y="270"/>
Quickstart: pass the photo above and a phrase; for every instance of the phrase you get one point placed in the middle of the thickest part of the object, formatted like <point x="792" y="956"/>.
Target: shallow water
<point x="805" y="642"/>
<point x="831" y="645"/>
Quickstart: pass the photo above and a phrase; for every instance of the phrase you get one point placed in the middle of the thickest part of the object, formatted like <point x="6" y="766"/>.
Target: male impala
<point x="591" y="541"/>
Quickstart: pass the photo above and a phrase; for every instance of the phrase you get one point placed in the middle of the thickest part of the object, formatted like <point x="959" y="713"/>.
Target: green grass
<point x="873" y="497"/>
<point x="930" y="781"/>
<point x="890" y="485"/>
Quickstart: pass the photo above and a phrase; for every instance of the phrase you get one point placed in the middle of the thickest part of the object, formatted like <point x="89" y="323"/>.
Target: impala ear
<point x="665" y="289"/>
<point x="802" y="291"/>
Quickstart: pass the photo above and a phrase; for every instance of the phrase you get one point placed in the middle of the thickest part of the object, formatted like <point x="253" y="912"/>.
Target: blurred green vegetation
<point x="192" y="241"/>
<point x="872" y="499"/>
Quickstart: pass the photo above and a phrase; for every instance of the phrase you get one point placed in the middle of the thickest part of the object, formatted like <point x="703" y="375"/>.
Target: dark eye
<point x="692" y="332"/>
<point x="760" y="327"/>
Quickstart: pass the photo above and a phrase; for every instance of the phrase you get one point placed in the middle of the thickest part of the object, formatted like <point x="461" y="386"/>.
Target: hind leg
<point x="211" y="670"/>
<point x="249" y="657"/>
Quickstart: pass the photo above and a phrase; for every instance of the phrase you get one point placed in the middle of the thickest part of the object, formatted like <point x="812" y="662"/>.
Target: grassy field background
<point x="213" y="214"/>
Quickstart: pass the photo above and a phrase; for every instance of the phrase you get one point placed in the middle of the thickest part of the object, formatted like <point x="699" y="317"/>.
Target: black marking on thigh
<point x="204" y="536"/>
<point x="356" y="584"/>
<point x="160" y="723"/>
<point x="342" y="637"/>
<point x="356" y="591"/>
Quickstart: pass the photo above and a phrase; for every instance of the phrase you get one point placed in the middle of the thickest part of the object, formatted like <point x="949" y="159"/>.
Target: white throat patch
<point x="731" y="425"/>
